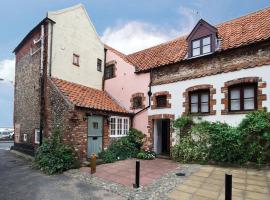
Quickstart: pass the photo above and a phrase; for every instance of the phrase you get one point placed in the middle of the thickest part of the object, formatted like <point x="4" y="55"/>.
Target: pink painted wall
<point x="125" y="84"/>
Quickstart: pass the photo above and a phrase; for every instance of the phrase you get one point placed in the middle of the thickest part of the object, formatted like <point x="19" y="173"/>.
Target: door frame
<point x="102" y="131"/>
<point x="152" y="128"/>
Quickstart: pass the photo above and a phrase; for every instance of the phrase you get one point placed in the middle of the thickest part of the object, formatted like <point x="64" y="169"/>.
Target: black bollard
<point x="228" y="187"/>
<point x="137" y="175"/>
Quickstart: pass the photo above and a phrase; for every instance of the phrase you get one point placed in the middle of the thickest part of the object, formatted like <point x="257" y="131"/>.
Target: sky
<point x="128" y="26"/>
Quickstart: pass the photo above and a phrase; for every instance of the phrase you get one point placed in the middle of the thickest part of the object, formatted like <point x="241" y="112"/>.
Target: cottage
<point x="216" y="73"/>
<point x="69" y="79"/>
<point x="59" y="82"/>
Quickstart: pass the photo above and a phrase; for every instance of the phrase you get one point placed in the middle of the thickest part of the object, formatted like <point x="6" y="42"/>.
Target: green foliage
<point x="146" y="155"/>
<point x="107" y="156"/>
<point x="53" y="156"/>
<point x="183" y="124"/>
<point x="219" y="142"/>
<point x="226" y="143"/>
<point x="124" y="147"/>
<point x="255" y="129"/>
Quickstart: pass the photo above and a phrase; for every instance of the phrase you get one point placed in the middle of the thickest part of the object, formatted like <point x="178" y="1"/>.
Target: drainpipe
<point x="41" y="123"/>
<point x="105" y="60"/>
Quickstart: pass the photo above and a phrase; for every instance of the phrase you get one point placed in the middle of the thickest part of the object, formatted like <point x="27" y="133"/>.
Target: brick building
<point x="216" y="73"/>
<point x="58" y="85"/>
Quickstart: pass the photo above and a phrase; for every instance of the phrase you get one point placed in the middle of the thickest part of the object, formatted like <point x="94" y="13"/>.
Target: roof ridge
<point x="109" y="47"/>
<point x="243" y="16"/>
<point x="158" y="45"/>
<point x="185" y="35"/>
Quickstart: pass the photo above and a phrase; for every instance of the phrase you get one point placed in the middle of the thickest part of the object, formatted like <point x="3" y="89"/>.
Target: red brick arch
<point x="200" y="87"/>
<point x="260" y="96"/>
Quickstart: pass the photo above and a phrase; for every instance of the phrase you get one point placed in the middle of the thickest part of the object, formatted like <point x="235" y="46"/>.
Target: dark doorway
<point x="165" y="137"/>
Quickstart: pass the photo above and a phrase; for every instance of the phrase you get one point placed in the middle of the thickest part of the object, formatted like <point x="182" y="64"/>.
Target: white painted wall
<point x="177" y="89"/>
<point x="75" y="33"/>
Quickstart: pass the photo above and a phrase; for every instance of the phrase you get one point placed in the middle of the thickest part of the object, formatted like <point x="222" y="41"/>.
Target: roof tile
<point x="87" y="97"/>
<point x="238" y="32"/>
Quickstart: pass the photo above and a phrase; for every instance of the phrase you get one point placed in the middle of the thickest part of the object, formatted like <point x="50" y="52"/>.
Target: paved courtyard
<point x="123" y="172"/>
<point x="208" y="183"/>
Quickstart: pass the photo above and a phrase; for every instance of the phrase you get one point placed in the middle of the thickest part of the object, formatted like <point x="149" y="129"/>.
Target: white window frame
<point x="37" y="132"/>
<point x="124" y="129"/>
<point x="24" y="137"/>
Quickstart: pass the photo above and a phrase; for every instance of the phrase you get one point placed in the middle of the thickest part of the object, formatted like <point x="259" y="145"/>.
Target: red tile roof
<point x="238" y="32"/>
<point x="87" y="97"/>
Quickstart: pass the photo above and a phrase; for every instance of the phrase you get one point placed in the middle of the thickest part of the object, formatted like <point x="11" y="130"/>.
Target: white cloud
<point x="7" y="69"/>
<point x="135" y="35"/>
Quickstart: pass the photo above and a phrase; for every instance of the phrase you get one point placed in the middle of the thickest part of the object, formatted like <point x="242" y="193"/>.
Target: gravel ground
<point x="156" y="190"/>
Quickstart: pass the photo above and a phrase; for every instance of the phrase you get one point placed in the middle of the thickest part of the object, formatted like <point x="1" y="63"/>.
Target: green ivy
<point x="219" y="142"/>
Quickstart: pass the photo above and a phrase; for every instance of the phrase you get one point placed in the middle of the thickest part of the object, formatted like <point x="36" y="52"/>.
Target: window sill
<point x="117" y="136"/>
<point x="77" y="65"/>
<point x="154" y="108"/>
<point x="193" y="57"/>
<point x="109" y="78"/>
<point x="201" y="114"/>
<point x="237" y="112"/>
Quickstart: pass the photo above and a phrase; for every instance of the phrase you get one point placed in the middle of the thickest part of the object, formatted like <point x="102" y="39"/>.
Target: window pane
<point x="194" y="98"/>
<point x="249" y="104"/>
<point x="204" y="107"/>
<point x="206" y="49"/>
<point x="161" y="101"/>
<point x="235" y="93"/>
<point x="112" y="126"/>
<point x="249" y="92"/>
<point x="195" y="44"/>
<point x="196" y="52"/>
<point x="206" y="41"/>
<point x="194" y="108"/>
<point x="119" y="126"/>
<point x="204" y="97"/>
<point x="235" y="104"/>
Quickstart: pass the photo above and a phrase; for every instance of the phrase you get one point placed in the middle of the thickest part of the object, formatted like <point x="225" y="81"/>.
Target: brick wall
<point x="232" y="60"/>
<point x="27" y="90"/>
<point x="72" y="122"/>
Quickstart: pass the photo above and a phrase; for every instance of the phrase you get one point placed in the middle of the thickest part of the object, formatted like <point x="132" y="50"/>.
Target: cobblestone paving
<point x="208" y="184"/>
<point x="158" y="189"/>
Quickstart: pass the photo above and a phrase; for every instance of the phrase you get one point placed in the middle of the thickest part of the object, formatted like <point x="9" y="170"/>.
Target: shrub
<point x="124" y="147"/>
<point x="183" y="124"/>
<point x="146" y="155"/>
<point x="255" y="128"/>
<point x="53" y="156"/>
<point x="107" y="156"/>
<point x="219" y="142"/>
<point x="225" y="144"/>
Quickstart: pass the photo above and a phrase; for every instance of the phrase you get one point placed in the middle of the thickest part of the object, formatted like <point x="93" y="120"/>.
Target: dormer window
<point x="202" y="39"/>
<point x="201" y="46"/>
